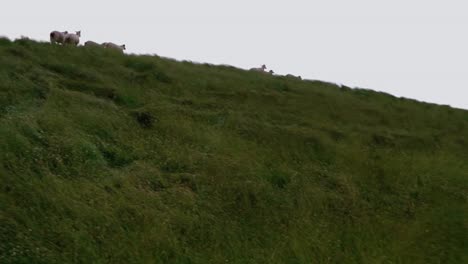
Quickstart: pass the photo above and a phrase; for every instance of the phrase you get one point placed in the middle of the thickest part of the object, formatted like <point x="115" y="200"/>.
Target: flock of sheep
<point x="66" y="38"/>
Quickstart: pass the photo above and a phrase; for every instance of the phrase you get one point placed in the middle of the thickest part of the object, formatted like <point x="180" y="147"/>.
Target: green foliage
<point x="110" y="158"/>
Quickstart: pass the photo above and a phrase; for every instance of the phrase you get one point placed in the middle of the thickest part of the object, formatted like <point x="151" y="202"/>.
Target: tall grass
<point x="111" y="158"/>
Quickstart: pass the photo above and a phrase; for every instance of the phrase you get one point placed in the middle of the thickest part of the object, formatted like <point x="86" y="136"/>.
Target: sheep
<point x="271" y="72"/>
<point x="111" y="45"/>
<point x="261" y="69"/>
<point x="57" y="37"/>
<point x="90" y="43"/>
<point x="292" y="76"/>
<point x="73" y="39"/>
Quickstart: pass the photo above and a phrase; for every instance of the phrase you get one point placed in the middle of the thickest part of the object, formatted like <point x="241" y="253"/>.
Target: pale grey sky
<point x="410" y="48"/>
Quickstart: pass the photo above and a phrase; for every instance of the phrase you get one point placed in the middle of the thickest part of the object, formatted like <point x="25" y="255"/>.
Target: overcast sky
<point x="411" y="48"/>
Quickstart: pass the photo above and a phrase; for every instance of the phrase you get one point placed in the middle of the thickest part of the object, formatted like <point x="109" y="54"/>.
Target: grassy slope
<point x="106" y="158"/>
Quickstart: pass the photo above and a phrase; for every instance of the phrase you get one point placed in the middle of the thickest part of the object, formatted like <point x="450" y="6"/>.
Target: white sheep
<point x="261" y="69"/>
<point x="90" y="43"/>
<point x="292" y="76"/>
<point x="57" y="37"/>
<point x="111" y="45"/>
<point x="73" y="39"/>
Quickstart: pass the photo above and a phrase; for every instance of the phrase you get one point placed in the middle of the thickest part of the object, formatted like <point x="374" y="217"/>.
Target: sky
<point x="411" y="48"/>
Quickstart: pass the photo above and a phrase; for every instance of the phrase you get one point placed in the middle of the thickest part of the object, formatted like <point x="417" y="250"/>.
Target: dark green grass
<point x="108" y="158"/>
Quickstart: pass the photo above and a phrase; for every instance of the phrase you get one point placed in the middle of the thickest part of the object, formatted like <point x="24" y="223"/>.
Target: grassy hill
<point x="110" y="158"/>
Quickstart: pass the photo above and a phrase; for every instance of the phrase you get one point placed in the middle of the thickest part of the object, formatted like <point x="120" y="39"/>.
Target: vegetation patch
<point x="112" y="158"/>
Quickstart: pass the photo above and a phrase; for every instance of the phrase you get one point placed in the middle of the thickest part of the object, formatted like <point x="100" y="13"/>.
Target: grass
<point x="111" y="158"/>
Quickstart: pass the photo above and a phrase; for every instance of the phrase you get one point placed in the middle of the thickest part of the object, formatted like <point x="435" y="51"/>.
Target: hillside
<point x="111" y="158"/>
